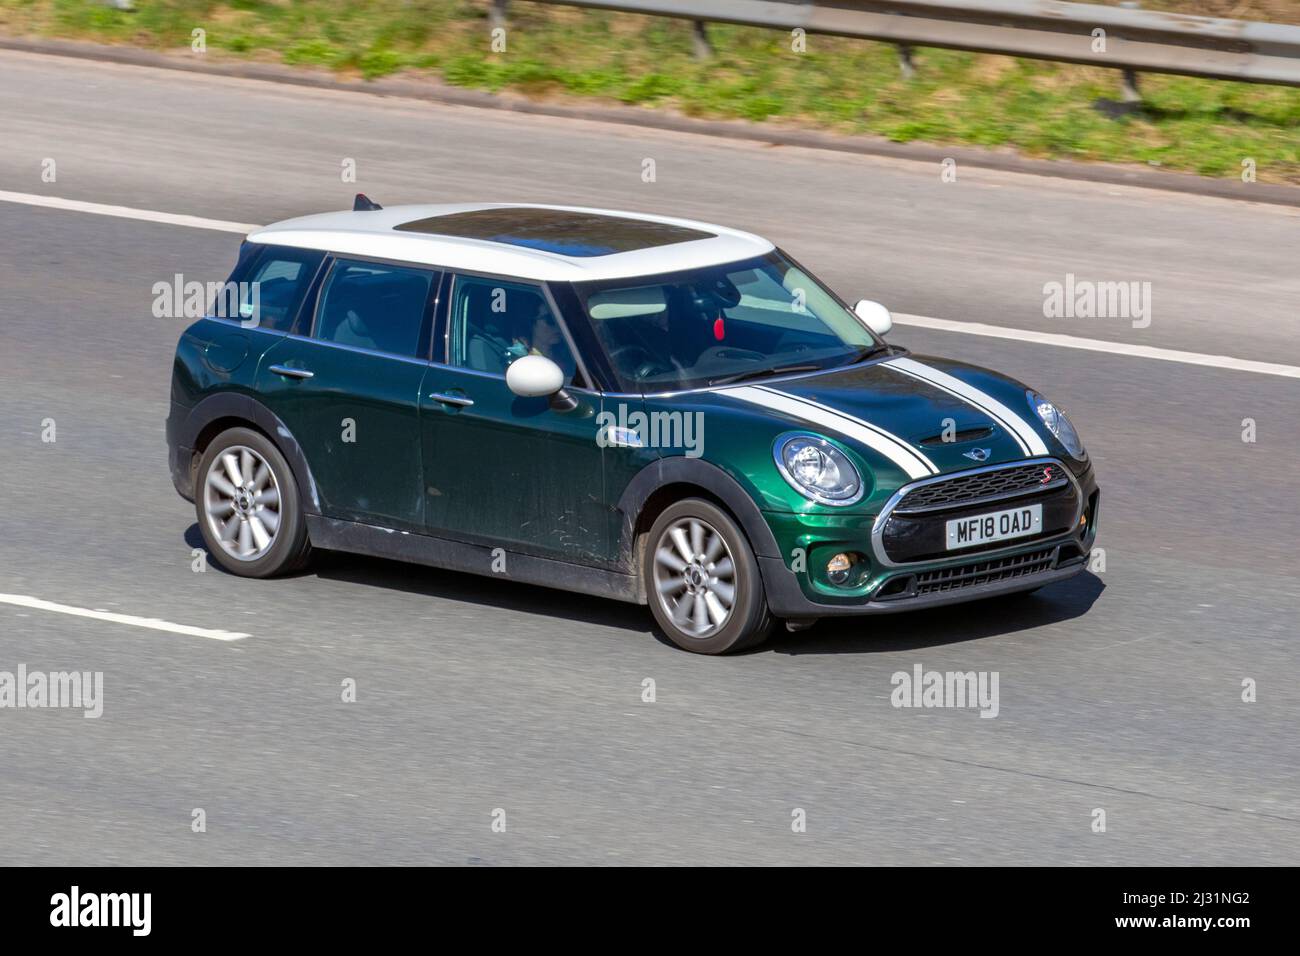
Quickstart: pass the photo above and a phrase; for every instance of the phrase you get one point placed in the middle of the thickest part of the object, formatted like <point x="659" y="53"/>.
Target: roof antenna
<point x="363" y="203"/>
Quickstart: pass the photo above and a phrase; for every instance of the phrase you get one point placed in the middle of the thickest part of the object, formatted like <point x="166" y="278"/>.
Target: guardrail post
<point x="906" y="66"/>
<point x="700" y="40"/>
<point x="1144" y="41"/>
<point x="1129" y="84"/>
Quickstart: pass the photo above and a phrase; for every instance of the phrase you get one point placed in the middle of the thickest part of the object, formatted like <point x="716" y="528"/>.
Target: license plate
<point x="995" y="526"/>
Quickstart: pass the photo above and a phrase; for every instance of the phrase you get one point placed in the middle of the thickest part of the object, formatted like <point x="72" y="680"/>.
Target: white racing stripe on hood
<point x="1024" y="433"/>
<point x="930" y="466"/>
<point x="913" y="463"/>
<point x="1006" y="426"/>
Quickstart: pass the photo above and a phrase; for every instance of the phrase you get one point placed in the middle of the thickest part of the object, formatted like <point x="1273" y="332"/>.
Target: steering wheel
<point x="638" y="359"/>
<point x="731" y="352"/>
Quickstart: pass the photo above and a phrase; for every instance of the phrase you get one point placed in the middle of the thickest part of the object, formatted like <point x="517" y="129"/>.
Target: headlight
<point x="1057" y="424"/>
<point x="818" y="470"/>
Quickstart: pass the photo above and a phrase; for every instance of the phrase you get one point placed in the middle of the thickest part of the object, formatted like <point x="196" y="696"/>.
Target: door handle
<point x="288" y="372"/>
<point x="458" y="400"/>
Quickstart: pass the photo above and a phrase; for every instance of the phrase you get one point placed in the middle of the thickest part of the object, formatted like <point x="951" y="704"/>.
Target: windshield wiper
<point x="763" y="372"/>
<point x="864" y="354"/>
<point x="860" y="356"/>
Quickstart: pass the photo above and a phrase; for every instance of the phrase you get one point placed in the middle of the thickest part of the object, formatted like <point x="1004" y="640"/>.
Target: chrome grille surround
<point x="892" y="505"/>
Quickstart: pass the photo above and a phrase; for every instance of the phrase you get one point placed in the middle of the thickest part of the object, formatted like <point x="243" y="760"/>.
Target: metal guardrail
<point x="1123" y="38"/>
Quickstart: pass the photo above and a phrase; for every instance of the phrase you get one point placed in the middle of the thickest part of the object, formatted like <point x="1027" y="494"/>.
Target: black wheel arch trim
<point x="694" y="471"/>
<point x="245" y="407"/>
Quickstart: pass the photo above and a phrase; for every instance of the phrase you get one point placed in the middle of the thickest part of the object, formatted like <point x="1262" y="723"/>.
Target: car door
<point x="349" y="389"/>
<point x="501" y="470"/>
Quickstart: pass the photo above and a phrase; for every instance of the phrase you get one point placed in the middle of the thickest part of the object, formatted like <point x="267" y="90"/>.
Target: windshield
<point x="720" y="324"/>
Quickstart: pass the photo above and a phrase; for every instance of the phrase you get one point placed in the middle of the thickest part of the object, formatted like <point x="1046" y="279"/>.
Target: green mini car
<point x="630" y="406"/>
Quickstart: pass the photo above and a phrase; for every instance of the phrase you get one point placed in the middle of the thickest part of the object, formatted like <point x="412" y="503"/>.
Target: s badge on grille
<point x="1047" y="476"/>
<point x="978" y="454"/>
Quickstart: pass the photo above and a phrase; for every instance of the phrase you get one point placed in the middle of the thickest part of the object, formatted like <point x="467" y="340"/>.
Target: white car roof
<point x="590" y="244"/>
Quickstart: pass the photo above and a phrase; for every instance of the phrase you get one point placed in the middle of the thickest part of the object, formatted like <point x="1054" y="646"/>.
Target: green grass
<point x="1039" y="109"/>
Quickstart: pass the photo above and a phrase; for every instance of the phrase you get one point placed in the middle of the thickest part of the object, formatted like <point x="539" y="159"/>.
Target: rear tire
<point x="702" y="580"/>
<point x="248" y="508"/>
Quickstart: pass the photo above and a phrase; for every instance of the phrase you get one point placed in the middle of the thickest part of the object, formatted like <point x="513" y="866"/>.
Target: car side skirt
<point x="338" y="535"/>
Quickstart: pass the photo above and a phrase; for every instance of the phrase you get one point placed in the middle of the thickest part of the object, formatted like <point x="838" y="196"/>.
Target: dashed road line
<point x="1098" y="345"/>
<point x="127" y="212"/>
<point x="153" y="623"/>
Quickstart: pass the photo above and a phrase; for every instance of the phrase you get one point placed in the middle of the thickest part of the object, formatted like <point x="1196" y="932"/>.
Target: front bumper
<point x="787" y="600"/>
<point x="799" y="590"/>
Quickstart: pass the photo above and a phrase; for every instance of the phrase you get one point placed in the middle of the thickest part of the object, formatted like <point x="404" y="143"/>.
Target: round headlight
<point x="818" y="470"/>
<point x="1057" y="424"/>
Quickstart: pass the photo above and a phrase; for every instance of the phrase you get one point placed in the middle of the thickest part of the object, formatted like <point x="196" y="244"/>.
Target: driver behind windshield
<point x="722" y="324"/>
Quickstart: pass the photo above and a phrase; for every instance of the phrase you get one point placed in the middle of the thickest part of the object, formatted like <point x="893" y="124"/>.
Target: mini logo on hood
<point x="978" y="454"/>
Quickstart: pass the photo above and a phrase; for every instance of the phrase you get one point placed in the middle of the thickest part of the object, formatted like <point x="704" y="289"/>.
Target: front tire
<point x="248" y="508"/>
<point x="702" y="580"/>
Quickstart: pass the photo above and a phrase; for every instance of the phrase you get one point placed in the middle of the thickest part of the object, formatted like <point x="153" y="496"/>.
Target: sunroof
<point x="560" y="231"/>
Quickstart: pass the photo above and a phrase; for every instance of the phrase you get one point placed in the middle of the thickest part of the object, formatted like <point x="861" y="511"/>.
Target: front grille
<point x="916" y="528"/>
<point x="983" y="572"/>
<point x="983" y="486"/>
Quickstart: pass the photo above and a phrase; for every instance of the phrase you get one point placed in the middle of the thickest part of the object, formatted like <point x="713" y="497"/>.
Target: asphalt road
<point x="1119" y="690"/>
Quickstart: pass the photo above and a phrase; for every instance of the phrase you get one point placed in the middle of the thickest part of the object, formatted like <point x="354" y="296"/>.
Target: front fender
<point x="711" y="478"/>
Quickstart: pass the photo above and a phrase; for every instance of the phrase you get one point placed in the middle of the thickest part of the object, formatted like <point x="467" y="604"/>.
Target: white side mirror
<point x="534" y="376"/>
<point x="874" y="316"/>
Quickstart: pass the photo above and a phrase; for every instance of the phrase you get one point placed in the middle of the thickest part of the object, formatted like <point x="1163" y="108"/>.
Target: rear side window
<point x="273" y="287"/>
<point x="372" y="305"/>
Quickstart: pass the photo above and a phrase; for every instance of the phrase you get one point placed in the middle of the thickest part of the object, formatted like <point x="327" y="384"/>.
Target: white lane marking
<point x="900" y="318"/>
<point x="883" y="433"/>
<point x="126" y="212"/>
<point x="900" y="455"/>
<point x="1098" y="345"/>
<point x="23" y="600"/>
<point x="985" y="402"/>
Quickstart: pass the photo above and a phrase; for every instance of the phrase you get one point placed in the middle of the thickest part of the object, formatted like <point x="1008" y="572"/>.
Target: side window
<point x="372" y="305"/>
<point x="272" y="291"/>
<point x="495" y="322"/>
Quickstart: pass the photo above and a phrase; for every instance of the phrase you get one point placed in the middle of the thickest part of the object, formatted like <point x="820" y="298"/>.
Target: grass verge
<point x="850" y="86"/>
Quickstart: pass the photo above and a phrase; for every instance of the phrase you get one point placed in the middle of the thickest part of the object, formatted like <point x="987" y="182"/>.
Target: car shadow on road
<point x="459" y="586"/>
<point x="953" y="624"/>
<point x="869" y="634"/>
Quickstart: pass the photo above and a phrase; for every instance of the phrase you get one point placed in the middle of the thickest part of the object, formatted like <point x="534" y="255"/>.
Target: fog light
<point x="838" y="568"/>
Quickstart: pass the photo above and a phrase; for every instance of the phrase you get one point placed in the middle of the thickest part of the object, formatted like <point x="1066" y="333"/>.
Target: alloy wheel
<point x="242" y="501"/>
<point x="695" y="577"/>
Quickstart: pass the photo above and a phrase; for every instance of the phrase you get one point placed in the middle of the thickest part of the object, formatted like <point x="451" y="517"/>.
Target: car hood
<point x="900" y="408"/>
